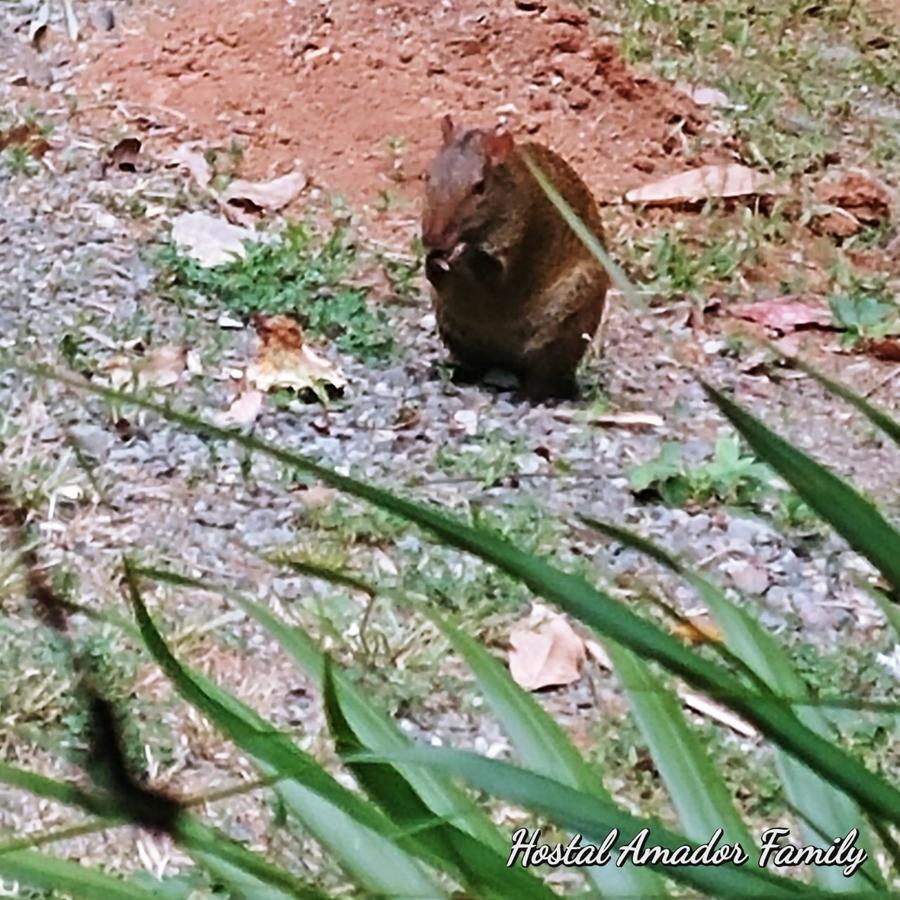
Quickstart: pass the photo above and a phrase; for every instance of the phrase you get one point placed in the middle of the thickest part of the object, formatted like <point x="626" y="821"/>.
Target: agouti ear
<point x="498" y="146"/>
<point x="447" y="129"/>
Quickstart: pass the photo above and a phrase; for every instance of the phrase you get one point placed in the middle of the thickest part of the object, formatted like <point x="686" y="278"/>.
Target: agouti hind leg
<point x="541" y="383"/>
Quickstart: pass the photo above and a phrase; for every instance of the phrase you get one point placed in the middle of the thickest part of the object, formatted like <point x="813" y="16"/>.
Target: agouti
<point x="514" y="287"/>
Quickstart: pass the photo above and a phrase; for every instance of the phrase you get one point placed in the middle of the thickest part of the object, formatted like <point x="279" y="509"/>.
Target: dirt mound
<point x="353" y="91"/>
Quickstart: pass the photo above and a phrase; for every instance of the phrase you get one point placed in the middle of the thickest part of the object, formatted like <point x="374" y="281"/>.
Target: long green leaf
<point x="545" y="748"/>
<point x="857" y="520"/>
<point x="38" y="870"/>
<point x="586" y="815"/>
<point x="832" y="811"/>
<point x="699" y="793"/>
<point x="357" y="828"/>
<point x="576" y="596"/>
<point x="878" y="417"/>
<point x="209" y="846"/>
<point x="373" y="726"/>
<point x="483" y="871"/>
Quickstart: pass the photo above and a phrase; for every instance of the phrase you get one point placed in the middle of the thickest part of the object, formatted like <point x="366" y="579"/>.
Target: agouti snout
<point x="513" y="285"/>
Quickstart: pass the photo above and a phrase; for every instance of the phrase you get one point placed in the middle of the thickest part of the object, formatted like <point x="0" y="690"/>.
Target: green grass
<point x="797" y="74"/>
<point x="731" y="476"/>
<point x="297" y="274"/>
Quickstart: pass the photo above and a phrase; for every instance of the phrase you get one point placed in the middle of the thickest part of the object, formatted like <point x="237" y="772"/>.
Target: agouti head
<point x="463" y="186"/>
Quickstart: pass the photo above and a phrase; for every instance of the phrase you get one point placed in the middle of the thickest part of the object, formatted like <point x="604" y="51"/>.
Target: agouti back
<point x="514" y="287"/>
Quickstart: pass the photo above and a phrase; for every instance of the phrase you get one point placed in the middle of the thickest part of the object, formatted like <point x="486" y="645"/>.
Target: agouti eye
<point x="478" y="187"/>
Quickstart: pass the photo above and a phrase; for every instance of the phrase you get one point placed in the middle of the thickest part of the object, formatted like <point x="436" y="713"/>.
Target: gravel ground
<point x="71" y="262"/>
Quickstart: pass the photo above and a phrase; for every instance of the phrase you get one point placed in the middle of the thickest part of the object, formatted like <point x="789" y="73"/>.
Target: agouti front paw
<point x="437" y="266"/>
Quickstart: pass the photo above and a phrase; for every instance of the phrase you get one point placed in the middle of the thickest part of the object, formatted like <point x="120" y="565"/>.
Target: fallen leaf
<point x="244" y="410"/>
<point x="698" y="630"/>
<point x="285" y="361"/>
<point x="852" y="199"/>
<point x="208" y="240"/>
<point x="188" y="157"/>
<point x="729" y="180"/>
<point x="788" y="313"/>
<point x="883" y="348"/>
<point x="161" y="367"/>
<point x="265" y="196"/>
<point x="27" y="135"/>
<point x="545" y="651"/>
<point x="125" y="154"/>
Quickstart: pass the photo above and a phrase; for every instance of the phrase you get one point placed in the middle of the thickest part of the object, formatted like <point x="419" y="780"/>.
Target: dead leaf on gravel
<point x="698" y="630"/>
<point x="883" y="348"/>
<point x="724" y="181"/>
<point x="788" y="313"/>
<point x="124" y="155"/>
<point x="27" y="135"/>
<point x="265" y="196"/>
<point x="284" y="360"/>
<point x="244" y="410"/>
<point x="161" y="367"/>
<point x="852" y="199"/>
<point x="193" y="161"/>
<point x="545" y="651"/>
<point x="208" y="240"/>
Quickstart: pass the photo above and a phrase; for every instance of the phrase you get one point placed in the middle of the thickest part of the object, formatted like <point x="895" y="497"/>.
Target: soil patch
<point x="352" y="92"/>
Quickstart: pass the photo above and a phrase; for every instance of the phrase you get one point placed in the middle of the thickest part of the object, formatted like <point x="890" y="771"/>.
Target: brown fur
<point x="524" y="293"/>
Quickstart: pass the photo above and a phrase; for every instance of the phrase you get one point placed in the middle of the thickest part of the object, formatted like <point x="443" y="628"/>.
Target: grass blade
<point x="47" y="873"/>
<point x="375" y="729"/>
<point x="857" y="520"/>
<point x="353" y="830"/>
<point x="585" y="814"/>
<point x="215" y="850"/>
<point x="830" y="809"/>
<point x="597" y="609"/>
<point x="700" y="796"/>
<point x="878" y="417"/>
<point x="545" y="749"/>
<point x="482" y="870"/>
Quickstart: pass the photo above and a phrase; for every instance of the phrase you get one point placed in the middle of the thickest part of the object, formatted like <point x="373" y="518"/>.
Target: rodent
<point x="513" y="286"/>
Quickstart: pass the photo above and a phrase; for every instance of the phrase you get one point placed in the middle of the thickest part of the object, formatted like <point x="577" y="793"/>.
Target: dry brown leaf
<point x="161" y="367"/>
<point x="856" y="198"/>
<point x="883" y="348"/>
<point x="27" y="135"/>
<point x="284" y="360"/>
<point x="125" y="154"/>
<point x="265" y="196"/>
<point x="729" y="180"/>
<point x="698" y="630"/>
<point x="208" y="240"/>
<point x="788" y="313"/>
<point x="545" y="651"/>
<point x="190" y="158"/>
<point x="244" y="410"/>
